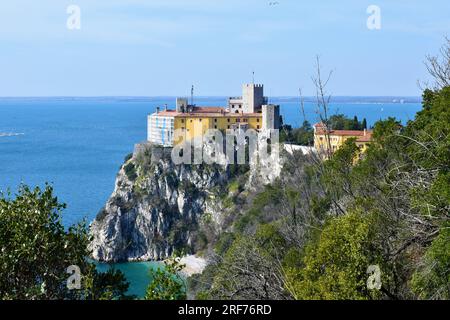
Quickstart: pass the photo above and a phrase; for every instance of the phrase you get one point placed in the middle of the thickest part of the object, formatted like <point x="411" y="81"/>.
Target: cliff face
<point x="158" y="207"/>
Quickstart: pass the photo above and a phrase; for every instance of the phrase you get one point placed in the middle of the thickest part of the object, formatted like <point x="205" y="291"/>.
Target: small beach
<point x="193" y="265"/>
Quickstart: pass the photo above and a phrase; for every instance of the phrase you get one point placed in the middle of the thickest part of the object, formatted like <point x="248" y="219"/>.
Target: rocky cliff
<point x="158" y="207"/>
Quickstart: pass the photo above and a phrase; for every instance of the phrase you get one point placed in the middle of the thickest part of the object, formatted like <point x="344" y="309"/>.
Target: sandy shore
<point x="194" y="265"/>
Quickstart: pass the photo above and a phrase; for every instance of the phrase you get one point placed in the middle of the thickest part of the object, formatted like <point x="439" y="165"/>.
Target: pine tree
<point x="364" y="124"/>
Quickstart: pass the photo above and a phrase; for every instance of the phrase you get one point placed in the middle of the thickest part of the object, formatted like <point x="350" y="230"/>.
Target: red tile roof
<point x="363" y="135"/>
<point x="366" y="138"/>
<point x="206" y="112"/>
<point x="167" y="113"/>
<point x="351" y="133"/>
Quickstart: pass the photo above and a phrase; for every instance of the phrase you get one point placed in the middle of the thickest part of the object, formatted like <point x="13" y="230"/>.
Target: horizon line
<point x="207" y="96"/>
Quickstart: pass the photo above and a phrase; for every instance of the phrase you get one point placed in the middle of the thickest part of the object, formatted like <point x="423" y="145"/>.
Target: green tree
<point x="36" y="250"/>
<point x="432" y="279"/>
<point x="335" y="265"/>
<point x="167" y="282"/>
<point x="337" y="171"/>
<point x="304" y="135"/>
<point x="249" y="268"/>
<point x="286" y="133"/>
<point x="355" y="125"/>
<point x="432" y="129"/>
<point x="341" y="122"/>
<point x="385" y="131"/>
<point x="109" y="285"/>
<point x="364" y="124"/>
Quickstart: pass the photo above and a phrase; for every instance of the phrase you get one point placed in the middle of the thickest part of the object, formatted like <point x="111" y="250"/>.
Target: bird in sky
<point x="274" y="3"/>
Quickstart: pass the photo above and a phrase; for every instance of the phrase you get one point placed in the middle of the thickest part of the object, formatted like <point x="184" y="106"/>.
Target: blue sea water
<point x="137" y="274"/>
<point x="78" y="144"/>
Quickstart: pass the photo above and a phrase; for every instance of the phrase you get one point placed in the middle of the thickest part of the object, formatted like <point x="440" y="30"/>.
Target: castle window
<point x="257" y="120"/>
<point x="215" y="127"/>
<point x="215" y="120"/>
<point x="191" y="120"/>
<point x="240" y="106"/>
<point x="200" y="120"/>
<point x="228" y="127"/>
<point x="238" y="120"/>
<point x="257" y="127"/>
<point x="232" y="106"/>
<point x="182" y="120"/>
<point x="228" y="119"/>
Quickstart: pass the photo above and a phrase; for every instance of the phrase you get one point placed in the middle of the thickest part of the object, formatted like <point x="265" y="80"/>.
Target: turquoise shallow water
<point x="137" y="274"/>
<point x="78" y="145"/>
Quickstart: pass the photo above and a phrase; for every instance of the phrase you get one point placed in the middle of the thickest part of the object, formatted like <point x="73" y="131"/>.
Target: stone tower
<point x="252" y="97"/>
<point x="182" y="105"/>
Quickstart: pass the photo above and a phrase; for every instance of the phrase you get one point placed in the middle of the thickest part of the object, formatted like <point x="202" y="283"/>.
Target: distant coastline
<point x="307" y="99"/>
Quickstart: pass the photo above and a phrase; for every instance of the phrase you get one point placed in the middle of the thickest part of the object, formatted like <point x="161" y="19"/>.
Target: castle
<point x="250" y="111"/>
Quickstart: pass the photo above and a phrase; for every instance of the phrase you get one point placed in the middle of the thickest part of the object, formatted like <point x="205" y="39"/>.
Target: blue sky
<point x="161" y="47"/>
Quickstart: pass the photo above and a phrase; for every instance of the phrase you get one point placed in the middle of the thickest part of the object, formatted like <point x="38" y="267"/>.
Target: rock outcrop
<point x="158" y="207"/>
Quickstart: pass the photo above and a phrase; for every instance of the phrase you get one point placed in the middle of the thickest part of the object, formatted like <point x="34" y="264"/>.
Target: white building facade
<point x="160" y="130"/>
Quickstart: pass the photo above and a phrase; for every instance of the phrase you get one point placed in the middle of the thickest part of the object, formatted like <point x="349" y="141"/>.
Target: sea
<point x="78" y="145"/>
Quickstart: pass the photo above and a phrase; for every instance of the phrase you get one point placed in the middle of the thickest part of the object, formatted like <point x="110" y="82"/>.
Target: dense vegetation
<point x="314" y="233"/>
<point x="341" y="122"/>
<point x="327" y="229"/>
<point x="36" y="252"/>
<point x="302" y="136"/>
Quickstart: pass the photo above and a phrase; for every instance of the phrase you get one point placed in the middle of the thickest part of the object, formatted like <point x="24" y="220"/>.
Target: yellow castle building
<point x="251" y="111"/>
<point x="338" y="137"/>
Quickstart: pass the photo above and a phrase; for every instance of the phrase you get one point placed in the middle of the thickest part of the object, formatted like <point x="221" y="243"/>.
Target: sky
<point x="162" y="47"/>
